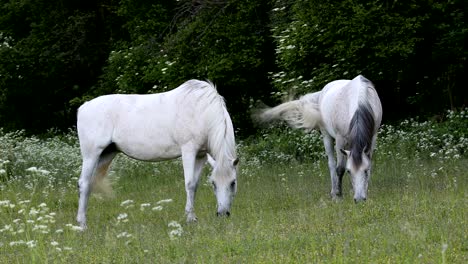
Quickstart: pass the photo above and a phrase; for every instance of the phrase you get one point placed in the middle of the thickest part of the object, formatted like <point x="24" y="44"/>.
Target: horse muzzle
<point x="227" y="214"/>
<point x="359" y="199"/>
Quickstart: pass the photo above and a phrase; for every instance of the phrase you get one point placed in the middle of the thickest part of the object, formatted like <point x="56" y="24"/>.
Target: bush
<point x="444" y="139"/>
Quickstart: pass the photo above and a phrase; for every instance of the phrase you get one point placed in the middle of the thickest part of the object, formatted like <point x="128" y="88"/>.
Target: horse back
<point x="341" y="99"/>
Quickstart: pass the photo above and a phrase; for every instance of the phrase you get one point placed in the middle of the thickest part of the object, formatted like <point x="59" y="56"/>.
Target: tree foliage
<point x="54" y="55"/>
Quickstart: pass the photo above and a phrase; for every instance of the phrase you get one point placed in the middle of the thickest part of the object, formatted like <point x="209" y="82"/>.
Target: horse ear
<point x="235" y="162"/>
<point x="345" y="152"/>
<point x="211" y="161"/>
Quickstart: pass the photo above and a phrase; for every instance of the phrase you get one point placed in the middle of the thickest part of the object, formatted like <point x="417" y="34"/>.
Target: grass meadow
<point x="416" y="211"/>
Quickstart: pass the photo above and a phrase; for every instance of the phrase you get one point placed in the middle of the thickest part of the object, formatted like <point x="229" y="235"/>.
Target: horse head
<point x="224" y="181"/>
<point x="358" y="165"/>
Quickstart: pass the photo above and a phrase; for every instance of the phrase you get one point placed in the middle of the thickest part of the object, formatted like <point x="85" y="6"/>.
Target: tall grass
<point x="416" y="211"/>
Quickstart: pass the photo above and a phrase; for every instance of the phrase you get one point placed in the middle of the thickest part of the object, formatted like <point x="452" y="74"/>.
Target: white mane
<point x="221" y="141"/>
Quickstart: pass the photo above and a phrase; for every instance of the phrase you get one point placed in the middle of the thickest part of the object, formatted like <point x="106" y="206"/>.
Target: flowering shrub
<point x="410" y="138"/>
<point x="428" y="139"/>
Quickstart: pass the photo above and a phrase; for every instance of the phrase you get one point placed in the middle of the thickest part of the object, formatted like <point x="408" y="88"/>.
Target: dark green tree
<point x="412" y="50"/>
<point x="225" y="41"/>
<point x="55" y="53"/>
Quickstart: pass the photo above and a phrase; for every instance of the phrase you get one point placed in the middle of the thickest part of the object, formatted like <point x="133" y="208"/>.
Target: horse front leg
<point x="328" y="143"/>
<point x="341" y="163"/>
<point x="192" y="170"/>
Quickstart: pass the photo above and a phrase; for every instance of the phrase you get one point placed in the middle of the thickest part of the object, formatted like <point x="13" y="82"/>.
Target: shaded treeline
<point x="56" y="54"/>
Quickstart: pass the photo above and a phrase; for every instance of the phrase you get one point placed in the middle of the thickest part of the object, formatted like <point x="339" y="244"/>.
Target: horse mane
<point x="221" y="141"/>
<point x="362" y="126"/>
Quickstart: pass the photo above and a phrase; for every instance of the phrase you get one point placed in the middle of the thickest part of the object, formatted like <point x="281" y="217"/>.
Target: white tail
<point x="103" y="186"/>
<point x="297" y="113"/>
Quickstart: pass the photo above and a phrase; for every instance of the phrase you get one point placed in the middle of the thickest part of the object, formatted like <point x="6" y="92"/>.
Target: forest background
<point x="57" y="54"/>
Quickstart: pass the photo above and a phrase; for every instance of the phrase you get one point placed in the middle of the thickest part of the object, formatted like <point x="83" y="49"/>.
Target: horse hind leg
<point x="84" y="187"/>
<point x="94" y="168"/>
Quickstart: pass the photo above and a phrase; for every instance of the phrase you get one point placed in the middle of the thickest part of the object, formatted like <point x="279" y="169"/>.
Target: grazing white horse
<point x="348" y="111"/>
<point x="190" y="121"/>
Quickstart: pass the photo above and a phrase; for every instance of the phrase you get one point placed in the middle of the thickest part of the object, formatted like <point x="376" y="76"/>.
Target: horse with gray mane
<point x="346" y="111"/>
<point x="190" y="121"/>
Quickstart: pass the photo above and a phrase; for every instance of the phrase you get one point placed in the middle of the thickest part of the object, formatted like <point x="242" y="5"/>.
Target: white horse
<point x="190" y="121"/>
<point x="348" y="111"/>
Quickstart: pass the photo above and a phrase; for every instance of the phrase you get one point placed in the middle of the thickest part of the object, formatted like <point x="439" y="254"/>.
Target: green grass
<point x="416" y="210"/>
<point x="282" y="214"/>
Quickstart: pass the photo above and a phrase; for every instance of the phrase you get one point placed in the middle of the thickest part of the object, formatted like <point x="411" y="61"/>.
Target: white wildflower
<point x="157" y="208"/>
<point x="123" y="217"/>
<point x="144" y="205"/>
<point x="177" y="231"/>
<point x="174" y="224"/>
<point x="164" y="201"/>
<point x="38" y="227"/>
<point x="31" y="243"/>
<point x="127" y="203"/>
<point x="5" y="203"/>
<point x="6" y="228"/>
<point x="14" y="243"/>
<point x="74" y="227"/>
<point x="124" y="235"/>
<point x="32" y="169"/>
<point x="45" y="172"/>
<point x="25" y="201"/>
<point x="33" y="211"/>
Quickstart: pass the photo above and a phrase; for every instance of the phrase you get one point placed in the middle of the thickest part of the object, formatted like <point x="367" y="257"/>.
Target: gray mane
<point x="361" y="130"/>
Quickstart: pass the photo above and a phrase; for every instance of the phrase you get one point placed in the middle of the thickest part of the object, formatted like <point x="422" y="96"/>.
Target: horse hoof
<point x="336" y="197"/>
<point x="192" y="219"/>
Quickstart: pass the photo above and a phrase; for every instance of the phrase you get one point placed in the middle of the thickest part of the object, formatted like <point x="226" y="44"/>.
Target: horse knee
<point x="191" y="185"/>
<point x="84" y="187"/>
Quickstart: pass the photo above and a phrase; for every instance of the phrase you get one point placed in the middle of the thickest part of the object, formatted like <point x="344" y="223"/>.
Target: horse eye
<point x="233" y="184"/>
<point x="214" y="185"/>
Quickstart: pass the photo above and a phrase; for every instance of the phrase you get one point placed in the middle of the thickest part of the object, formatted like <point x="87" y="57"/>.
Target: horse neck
<point x="221" y="140"/>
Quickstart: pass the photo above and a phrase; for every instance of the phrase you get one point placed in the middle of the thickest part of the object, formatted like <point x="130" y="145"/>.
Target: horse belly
<point x="146" y="140"/>
<point x="148" y="150"/>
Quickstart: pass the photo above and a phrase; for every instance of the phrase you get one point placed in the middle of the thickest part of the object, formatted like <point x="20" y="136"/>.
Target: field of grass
<point x="416" y="211"/>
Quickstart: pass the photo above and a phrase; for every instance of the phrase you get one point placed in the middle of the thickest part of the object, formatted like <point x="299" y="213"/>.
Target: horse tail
<point x="297" y="113"/>
<point x="102" y="185"/>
